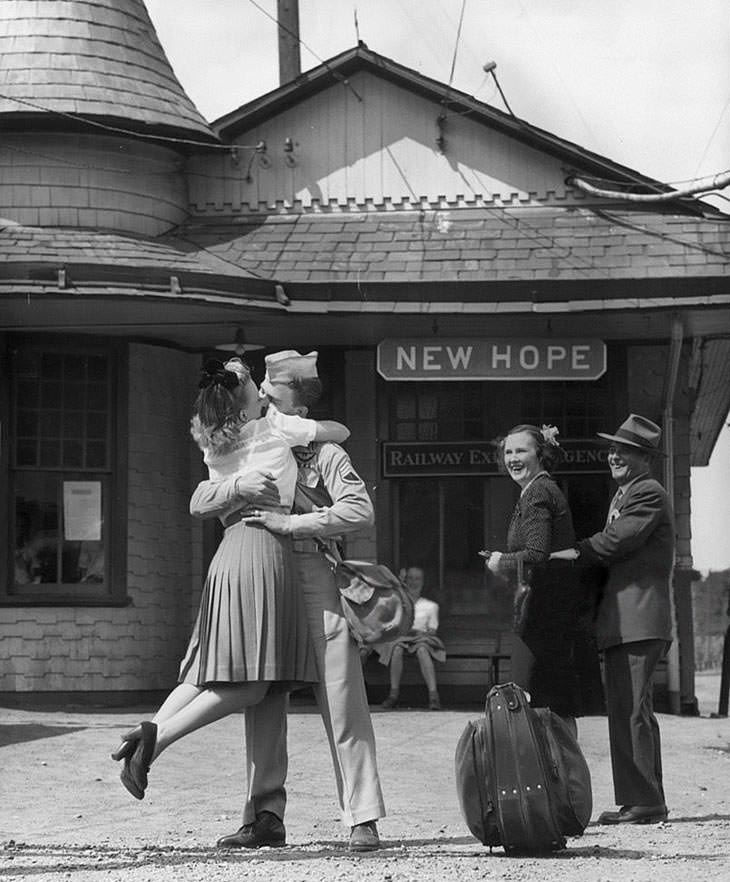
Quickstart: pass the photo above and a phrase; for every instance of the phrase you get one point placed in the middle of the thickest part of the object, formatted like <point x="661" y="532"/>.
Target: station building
<point x="443" y="257"/>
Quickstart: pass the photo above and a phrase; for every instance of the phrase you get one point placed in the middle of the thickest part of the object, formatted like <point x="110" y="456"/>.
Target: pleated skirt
<point x="251" y="625"/>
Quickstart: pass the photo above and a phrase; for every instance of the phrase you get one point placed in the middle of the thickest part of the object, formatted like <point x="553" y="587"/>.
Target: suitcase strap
<point x="522" y="799"/>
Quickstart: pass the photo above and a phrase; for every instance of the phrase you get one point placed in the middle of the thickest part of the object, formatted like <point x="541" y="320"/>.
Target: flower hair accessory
<point x="549" y="434"/>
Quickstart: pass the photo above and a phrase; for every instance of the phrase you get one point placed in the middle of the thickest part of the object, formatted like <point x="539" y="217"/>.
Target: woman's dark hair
<point x="549" y="452"/>
<point x="216" y="402"/>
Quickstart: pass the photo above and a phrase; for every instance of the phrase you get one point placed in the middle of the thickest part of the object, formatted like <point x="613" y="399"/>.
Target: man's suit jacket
<point x="638" y="549"/>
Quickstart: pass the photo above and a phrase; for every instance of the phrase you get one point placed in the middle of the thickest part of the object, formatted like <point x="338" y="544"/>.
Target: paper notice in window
<point x="82" y="510"/>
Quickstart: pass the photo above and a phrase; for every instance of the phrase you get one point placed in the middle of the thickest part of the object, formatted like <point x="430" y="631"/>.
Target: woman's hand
<point x="565" y="554"/>
<point x="493" y="562"/>
<point x="491" y="559"/>
<point x="257" y="488"/>
<point x="274" y="521"/>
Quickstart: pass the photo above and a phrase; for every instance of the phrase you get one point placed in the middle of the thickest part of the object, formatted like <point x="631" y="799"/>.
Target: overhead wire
<point x="712" y="136"/>
<point x="118" y="130"/>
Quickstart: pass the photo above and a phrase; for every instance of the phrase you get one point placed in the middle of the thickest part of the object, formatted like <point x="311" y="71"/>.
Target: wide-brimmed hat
<point x="287" y="365"/>
<point x="637" y="431"/>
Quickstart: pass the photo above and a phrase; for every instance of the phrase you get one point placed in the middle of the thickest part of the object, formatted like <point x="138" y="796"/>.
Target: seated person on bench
<point x="421" y="641"/>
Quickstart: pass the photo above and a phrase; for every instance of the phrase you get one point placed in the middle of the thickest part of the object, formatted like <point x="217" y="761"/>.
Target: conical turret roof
<point x="98" y="59"/>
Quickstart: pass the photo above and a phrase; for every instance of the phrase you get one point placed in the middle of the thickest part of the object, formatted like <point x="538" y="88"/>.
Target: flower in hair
<point x="549" y="434"/>
<point x="214" y="373"/>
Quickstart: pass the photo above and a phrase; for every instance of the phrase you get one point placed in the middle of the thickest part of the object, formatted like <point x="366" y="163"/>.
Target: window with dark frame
<point x="62" y="476"/>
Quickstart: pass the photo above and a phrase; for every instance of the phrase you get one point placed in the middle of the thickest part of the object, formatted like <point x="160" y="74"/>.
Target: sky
<point x="645" y="83"/>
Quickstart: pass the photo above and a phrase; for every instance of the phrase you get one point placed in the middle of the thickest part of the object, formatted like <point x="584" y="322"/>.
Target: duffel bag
<point x="521" y="778"/>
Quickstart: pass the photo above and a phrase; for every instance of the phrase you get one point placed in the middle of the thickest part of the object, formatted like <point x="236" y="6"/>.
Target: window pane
<point x="26" y="453"/>
<point x="50" y="454"/>
<point x="58" y="530"/>
<point x="97" y="368"/>
<point x="96" y="396"/>
<point x="73" y="424"/>
<point x="36" y="528"/>
<point x="96" y="425"/>
<point x="73" y="396"/>
<point x="27" y="423"/>
<point x="73" y="454"/>
<point x="51" y="424"/>
<point x="28" y="393"/>
<point x="62" y="396"/>
<point x="95" y="454"/>
<point x="51" y="365"/>
<point x="51" y="394"/>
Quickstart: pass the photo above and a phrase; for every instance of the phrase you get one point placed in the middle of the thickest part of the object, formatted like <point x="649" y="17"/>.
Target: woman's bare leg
<point x="396" y="669"/>
<point x="180" y="697"/>
<point x="427" y="669"/>
<point x="211" y="704"/>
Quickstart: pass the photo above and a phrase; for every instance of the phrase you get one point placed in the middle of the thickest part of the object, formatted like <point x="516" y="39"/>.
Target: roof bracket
<point x="175" y="286"/>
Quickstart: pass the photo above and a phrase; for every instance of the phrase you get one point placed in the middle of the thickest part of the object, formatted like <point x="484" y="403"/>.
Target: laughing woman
<point x="542" y="658"/>
<point x="251" y="633"/>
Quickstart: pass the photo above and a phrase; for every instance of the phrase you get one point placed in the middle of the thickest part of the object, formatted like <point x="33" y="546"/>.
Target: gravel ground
<point x="64" y="815"/>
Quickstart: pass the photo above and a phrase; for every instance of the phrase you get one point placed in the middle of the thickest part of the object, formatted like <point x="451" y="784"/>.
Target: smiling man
<point x="634" y="625"/>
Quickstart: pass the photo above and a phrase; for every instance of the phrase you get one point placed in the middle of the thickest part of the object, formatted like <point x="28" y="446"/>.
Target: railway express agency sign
<point x="491" y="359"/>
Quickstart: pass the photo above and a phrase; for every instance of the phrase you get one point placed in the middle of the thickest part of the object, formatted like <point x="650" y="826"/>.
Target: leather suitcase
<point x="521" y="777"/>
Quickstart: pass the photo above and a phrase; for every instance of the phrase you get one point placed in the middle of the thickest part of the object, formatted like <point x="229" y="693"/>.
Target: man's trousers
<point x="636" y="754"/>
<point x="342" y="702"/>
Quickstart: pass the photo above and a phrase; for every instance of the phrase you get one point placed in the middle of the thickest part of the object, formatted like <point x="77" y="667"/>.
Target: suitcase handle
<point x="510" y="693"/>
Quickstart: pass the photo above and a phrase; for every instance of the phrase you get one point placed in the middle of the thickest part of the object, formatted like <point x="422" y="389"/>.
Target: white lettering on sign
<point x="505" y="357"/>
<point x="429" y="356"/>
<point x="556" y="354"/>
<point x="529" y="358"/>
<point x="405" y="359"/>
<point x="426" y="458"/>
<point x="491" y="359"/>
<point x="580" y="353"/>
<point x="461" y="357"/>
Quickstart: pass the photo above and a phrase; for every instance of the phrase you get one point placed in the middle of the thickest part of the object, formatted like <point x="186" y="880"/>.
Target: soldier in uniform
<point x="331" y="500"/>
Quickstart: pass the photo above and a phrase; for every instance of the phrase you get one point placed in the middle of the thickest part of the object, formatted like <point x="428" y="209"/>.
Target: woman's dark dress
<point x="541" y="523"/>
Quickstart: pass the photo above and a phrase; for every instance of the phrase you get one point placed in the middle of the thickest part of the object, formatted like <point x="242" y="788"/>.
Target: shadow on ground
<point x="19" y="733"/>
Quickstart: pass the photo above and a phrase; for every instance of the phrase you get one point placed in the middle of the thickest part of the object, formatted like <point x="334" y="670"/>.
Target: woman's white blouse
<point x="265" y="445"/>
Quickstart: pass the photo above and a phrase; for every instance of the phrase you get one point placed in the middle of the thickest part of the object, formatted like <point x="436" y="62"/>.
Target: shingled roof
<point x="91" y="261"/>
<point x="450" y="248"/>
<point x="98" y="59"/>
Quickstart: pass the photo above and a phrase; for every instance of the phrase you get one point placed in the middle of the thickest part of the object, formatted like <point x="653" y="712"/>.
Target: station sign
<point x="491" y="359"/>
<point x="420" y="459"/>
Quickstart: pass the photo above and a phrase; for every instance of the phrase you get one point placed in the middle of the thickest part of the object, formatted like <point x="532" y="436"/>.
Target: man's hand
<point x="274" y="521"/>
<point x="258" y="488"/>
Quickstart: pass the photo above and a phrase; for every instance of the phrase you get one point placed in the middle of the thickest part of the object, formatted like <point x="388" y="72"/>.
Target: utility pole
<point x="290" y="65"/>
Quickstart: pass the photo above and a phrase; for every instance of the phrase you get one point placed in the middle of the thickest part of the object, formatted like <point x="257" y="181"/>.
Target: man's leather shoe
<point x="364" y="837"/>
<point x="266" y="830"/>
<point x="635" y="814"/>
